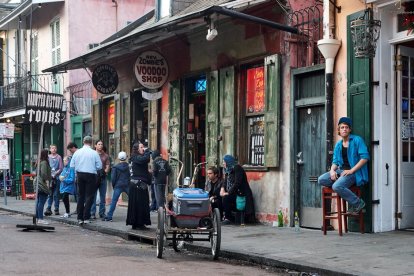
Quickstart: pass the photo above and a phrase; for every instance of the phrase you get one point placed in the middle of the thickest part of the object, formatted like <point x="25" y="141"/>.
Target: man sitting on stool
<point x="349" y="166"/>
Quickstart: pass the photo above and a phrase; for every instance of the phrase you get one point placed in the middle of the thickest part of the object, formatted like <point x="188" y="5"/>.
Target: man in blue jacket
<point x="120" y="181"/>
<point x="349" y="166"/>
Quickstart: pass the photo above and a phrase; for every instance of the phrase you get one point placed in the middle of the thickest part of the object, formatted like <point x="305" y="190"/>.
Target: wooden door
<point x="174" y="131"/>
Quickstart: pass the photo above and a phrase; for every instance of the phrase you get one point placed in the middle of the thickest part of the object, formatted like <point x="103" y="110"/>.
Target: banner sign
<point x="44" y="108"/>
<point x="151" y="69"/>
<point x="105" y="79"/>
<point x="7" y="130"/>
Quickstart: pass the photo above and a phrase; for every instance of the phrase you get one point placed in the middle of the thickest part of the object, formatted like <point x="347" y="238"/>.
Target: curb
<point x="231" y="255"/>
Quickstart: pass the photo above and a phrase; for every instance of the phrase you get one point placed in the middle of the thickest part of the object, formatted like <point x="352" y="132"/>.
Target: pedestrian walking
<point x="349" y="166"/>
<point x="101" y="181"/>
<point x="120" y="178"/>
<point x="67" y="184"/>
<point x="73" y="147"/>
<point x="43" y="179"/>
<point x="86" y="163"/>
<point x="138" y="214"/>
<point x="56" y="166"/>
<point x="161" y="170"/>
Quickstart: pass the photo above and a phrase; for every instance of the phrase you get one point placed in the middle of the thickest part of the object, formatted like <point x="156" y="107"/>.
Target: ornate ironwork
<point x="365" y="33"/>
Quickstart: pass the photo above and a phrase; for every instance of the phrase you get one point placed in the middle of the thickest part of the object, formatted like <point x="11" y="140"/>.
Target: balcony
<point x="13" y="94"/>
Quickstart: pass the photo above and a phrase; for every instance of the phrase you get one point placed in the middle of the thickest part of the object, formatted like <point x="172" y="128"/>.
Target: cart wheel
<point x="160" y="232"/>
<point x="215" y="238"/>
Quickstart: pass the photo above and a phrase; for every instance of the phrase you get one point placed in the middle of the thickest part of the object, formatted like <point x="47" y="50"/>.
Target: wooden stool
<point x="341" y="210"/>
<point x="356" y="190"/>
<point x="328" y="193"/>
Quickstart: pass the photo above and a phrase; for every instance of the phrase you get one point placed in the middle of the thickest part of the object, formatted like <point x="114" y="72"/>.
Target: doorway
<point x="310" y="143"/>
<point x="405" y="136"/>
<point x="195" y="128"/>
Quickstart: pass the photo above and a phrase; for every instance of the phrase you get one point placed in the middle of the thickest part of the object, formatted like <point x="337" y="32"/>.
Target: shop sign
<point x="4" y="162"/>
<point x="4" y="148"/>
<point x="151" y="69"/>
<point x="44" y="108"/>
<point x="111" y="116"/>
<point x="105" y="79"/>
<point x="7" y="130"/>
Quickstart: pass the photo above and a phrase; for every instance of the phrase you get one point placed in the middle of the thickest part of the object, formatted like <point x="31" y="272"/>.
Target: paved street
<point x="388" y="253"/>
<point x="72" y="250"/>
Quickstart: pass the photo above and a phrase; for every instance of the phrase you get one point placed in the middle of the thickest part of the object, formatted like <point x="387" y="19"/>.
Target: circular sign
<point x="151" y="69"/>
<point x="105" y="79"/>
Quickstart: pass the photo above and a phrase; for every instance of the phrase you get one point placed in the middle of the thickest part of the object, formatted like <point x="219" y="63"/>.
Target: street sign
<point x="4" y="162"/>
<point x="6" y="130"/>
<point x="44" y="108"/>
<point x="4" y="149"/>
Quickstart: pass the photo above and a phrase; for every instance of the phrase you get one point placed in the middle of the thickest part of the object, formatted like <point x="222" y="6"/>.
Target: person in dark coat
<point x="235" y="184"/>
<point x="214" y="184"/>
<point x="161" y="170"/>
<point x="138" y="214"/>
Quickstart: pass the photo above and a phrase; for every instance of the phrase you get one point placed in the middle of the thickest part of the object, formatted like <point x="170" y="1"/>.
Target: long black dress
<point x="138" y="214"/>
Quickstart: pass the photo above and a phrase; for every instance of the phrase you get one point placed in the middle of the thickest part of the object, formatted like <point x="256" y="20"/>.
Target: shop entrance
<point x="195" y="125"/>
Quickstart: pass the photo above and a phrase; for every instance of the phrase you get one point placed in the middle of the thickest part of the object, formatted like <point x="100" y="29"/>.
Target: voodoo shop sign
<point x="105" y="79"/>
<point x="43" y="108"/>
<point x="151" y="69"/>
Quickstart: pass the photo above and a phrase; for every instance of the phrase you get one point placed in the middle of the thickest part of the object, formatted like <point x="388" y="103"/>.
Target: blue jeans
<point x="102" y="197"/>
<point x="54" y="195"/>
<point x="40" y="204"/>
<point x="160" y="194"/>
<point x="340" y="186"/>
<point x="115" y="197"/>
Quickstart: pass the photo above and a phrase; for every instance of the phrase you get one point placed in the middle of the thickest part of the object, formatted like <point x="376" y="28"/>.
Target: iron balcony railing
<point x="13" y="94"/>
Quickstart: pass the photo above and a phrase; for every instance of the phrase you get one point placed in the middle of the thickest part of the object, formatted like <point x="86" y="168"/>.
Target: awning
<point x="11" y="21"/>
<point x="155" y="32"/>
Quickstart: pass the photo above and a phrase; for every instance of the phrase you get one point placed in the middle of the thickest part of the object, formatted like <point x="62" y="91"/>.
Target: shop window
<point x="255" y="103"/>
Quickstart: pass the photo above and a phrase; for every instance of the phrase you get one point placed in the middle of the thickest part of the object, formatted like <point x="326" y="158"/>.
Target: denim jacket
<point x="357" y="150"/>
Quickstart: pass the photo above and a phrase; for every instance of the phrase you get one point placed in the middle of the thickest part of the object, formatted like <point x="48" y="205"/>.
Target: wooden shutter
<point x="272" y="111"/>
<point x="76" y="126"/>
<point x="359" y="108"/>
<point x="96" y="120"/>
<point x="212" y="114"/>
<point x="117" y="133"/>
<point x="153" y="124"/>
<point x="227" y="111"/>
<point x="174" y="133"/>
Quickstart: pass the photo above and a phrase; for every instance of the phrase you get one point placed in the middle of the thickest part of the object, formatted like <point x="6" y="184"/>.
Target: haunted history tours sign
<point x="44" y="108"/>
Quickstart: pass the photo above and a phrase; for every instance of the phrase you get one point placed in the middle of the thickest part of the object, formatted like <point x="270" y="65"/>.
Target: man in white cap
<point x="86" y="163"/>
<point x="120" y="181"/>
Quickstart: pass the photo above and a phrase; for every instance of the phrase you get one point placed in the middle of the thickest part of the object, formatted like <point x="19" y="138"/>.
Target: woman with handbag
<point x="138" y="214"/>
<point x="43" y="180"/>
<point x="235" y="191"/>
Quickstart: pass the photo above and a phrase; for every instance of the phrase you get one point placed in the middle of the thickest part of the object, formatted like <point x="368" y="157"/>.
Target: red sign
<point x="151" y="69"/>
<point x="111" y="116"/>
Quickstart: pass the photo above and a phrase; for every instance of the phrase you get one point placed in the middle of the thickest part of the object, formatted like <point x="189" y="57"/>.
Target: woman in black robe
<point x="138" y="214"/>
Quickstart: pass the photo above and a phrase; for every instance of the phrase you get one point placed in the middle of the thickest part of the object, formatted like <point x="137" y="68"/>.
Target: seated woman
<point x="235" y="184"/>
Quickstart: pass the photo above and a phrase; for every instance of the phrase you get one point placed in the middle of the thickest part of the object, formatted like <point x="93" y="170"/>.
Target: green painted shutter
<point x="272" y="111"/>
<point x="227" y="111"/>
<point x="76" y="126"/>
<point x="212" y="109"/>
<point x="174" y="133"/>
<point x="17" y="154"/>
<point x="96" y="120"/>
<point x="359" y="108"/>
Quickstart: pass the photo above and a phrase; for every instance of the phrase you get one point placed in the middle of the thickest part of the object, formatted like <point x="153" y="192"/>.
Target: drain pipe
<point x="329" y="48"/>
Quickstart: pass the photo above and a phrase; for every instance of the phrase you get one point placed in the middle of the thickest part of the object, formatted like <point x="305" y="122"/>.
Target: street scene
<point x="273" y="135"/>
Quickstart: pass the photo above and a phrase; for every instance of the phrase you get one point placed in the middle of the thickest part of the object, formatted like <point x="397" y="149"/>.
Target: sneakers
<point x="359" y="207"/>
<point x="42" y="221"/>
<point x="351" y="209"/>
<point x="48" y="212"/>
<point x="107" y="219"/>
<point x="87" y="221"/>
<point x="57" y="212"/>
<point x="66" y="215"/>
<point x="80" y="222"/>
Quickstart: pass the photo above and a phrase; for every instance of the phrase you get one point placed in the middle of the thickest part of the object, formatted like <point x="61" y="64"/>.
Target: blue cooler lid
<point x="190" y="193"/>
